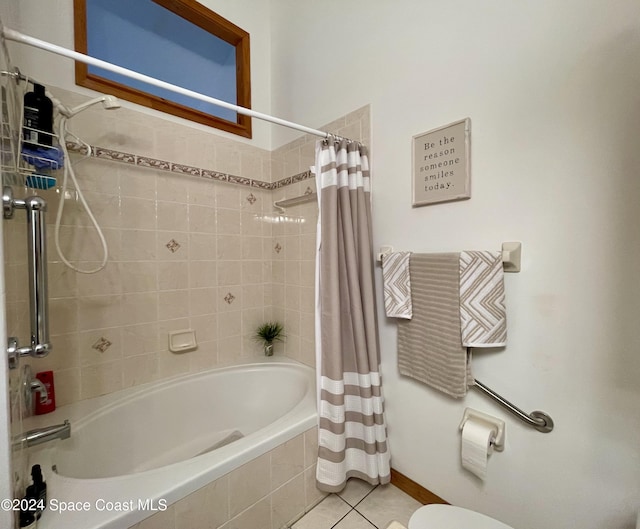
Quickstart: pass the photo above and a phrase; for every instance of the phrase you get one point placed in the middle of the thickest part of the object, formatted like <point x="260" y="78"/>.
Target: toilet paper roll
<point x="476" y="446"/>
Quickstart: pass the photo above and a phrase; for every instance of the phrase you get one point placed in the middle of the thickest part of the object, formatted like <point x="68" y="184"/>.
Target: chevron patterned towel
<point x="397" y="285"/>
<point x="483" y="315"/>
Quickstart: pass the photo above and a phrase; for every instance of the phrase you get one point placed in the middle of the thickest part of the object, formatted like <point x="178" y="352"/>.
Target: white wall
<point x="553" y="92"/>
<point x="53" y="21"/>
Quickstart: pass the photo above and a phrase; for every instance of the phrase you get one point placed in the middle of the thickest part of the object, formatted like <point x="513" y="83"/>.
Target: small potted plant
<point x="267" y="333"/>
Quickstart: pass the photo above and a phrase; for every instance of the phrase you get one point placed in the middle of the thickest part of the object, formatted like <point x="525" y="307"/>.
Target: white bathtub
<point x="133" y="452"/>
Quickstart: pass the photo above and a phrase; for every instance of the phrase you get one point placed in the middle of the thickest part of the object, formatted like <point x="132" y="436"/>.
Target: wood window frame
<point x="202" y="17"/>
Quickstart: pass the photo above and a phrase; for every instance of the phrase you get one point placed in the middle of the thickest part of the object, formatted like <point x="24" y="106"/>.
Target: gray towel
<point x="429" y="345"/>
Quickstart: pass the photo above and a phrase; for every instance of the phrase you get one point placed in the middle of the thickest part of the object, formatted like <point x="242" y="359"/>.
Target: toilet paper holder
<point x="498" y="440"/>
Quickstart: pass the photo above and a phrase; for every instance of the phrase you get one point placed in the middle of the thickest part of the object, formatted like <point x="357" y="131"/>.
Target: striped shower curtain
<point x="352" y="432"/>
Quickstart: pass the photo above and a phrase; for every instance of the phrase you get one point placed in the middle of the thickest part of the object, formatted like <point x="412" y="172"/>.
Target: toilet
<point x="436" y="516"/>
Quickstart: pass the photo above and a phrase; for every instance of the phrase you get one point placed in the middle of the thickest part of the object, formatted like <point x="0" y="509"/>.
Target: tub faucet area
<point x="37" y="385"/>
<point x="43" y="435"/>
<point x="31" y="384"/>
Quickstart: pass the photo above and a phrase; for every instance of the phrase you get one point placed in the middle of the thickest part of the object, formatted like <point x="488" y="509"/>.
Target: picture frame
<point x="441" y="164"/>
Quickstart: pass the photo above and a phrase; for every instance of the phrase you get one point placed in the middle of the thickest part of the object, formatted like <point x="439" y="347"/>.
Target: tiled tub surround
<point x="184" y="253"/>
<point x="205" y="252"/>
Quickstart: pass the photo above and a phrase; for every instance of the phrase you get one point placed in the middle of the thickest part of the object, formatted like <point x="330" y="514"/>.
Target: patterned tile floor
<point x="360" y="506"/>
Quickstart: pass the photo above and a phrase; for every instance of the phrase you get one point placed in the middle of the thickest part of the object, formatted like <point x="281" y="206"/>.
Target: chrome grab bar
<point x="538" y="419"/>
<point x="37" y="260"/>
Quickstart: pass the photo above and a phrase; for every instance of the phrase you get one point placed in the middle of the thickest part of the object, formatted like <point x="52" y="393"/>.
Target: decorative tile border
<point x="164" y="165"/>
<point x="215" y="175"/>
<point x="262" y="185"/>
<point x="185" y="169"/>
<point x="153" y="163"/>
<point x="116" y="156"/>
<point x="301" y="176"/>
<point x="281" y="183"/>
<point x="239" y="180"/>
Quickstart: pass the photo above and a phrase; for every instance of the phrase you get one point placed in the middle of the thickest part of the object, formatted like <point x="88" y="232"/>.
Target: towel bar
<point x="511" y="253"/>
<point x="538" y="419"/>
<point x="302" y="199"/>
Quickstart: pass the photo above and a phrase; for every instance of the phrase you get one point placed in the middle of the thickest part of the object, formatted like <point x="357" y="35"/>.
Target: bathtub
<point x="134" y="452"/>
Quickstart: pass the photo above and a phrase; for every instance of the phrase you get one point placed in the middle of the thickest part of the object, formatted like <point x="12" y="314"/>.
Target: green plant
<point x="269" y="332"/>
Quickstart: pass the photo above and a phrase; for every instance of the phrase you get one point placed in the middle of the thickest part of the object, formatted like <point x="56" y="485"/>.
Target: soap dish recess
<point x="182" y="341"/>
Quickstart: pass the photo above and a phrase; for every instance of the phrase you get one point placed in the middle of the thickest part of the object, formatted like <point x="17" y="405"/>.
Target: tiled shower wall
<point x="205" y="252"/>
<point x="294" y="239"/>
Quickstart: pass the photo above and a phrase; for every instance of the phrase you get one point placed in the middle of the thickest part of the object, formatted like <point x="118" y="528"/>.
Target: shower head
<point x="108" y="102"/>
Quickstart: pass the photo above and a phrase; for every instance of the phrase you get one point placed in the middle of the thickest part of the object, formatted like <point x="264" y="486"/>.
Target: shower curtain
<point x="351" y="430"/>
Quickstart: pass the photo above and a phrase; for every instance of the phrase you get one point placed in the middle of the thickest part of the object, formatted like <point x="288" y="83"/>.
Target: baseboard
<point x="415" y="490"/>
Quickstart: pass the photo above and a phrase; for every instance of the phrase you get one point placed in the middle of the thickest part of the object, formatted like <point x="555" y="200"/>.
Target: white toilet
<point x="437" y="516"/>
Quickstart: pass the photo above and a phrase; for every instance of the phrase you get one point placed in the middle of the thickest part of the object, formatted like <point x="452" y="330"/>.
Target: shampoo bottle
<point x="27" y="520"/>
<point x="46" y="377"/>
<point x="38" y="118"/>
<point x="37" y="490"/>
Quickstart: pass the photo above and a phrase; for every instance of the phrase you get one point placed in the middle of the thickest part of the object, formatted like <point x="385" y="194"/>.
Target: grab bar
<point x="37" y="258"/>
<point x="538" y="419"/>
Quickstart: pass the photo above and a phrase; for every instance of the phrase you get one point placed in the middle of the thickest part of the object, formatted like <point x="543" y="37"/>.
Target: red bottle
<point x="46" y="377"/>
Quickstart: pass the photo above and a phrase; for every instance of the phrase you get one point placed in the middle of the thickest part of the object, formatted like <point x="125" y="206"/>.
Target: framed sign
<point x="441" y="164"/>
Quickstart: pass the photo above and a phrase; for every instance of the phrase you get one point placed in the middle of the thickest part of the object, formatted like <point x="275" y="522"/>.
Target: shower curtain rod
<point x="16" y="36"/>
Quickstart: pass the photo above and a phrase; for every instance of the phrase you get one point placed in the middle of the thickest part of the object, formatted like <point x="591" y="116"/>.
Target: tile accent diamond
<point x="251" y="199"/>
<point x="102" y="344"/>
<point x="277" y="247"/>
<point x="173" y="246"/>
<point x="229" y="298"/>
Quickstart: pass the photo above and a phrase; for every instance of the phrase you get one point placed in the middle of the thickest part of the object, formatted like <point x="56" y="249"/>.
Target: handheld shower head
<point x="108" y="102"/>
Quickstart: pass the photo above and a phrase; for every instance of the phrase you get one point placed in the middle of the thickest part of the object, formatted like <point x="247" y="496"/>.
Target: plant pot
<point x="268" y="348"/>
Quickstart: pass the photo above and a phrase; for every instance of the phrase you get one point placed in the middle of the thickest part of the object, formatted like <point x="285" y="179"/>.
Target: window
<point x="177" y="41"/>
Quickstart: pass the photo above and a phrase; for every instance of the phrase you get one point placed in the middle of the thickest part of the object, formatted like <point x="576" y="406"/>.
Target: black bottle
<point x="38" y="115"/>
<point x="37" y="490"/>
<point x="27" y="519"/>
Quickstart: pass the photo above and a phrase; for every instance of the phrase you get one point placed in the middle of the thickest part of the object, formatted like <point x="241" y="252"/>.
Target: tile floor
<point x="360" y="506"/>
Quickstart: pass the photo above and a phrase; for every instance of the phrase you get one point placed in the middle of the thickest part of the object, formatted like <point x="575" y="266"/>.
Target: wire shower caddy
<point x="15" y="167"/>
